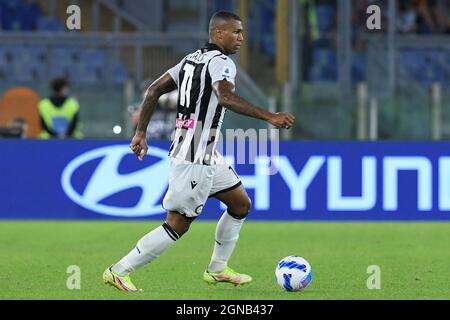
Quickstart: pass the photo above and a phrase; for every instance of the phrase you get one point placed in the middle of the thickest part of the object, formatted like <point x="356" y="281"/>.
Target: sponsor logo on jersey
<point x="185" y="123"/>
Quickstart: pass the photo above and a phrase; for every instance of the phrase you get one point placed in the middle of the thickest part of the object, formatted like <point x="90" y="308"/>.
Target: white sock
<point x="227" y="234"/>
<point x="148" y="248"/>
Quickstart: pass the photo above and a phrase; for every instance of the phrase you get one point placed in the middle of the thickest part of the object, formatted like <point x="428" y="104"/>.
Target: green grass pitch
<point x="414" y="259"/>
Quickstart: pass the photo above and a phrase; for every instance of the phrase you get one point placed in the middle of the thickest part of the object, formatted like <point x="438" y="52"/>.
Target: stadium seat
<point x="22" y="73"/>
<point x="95" y="57"/>
<point x="92" y="65"/>
<point x="69" y="72"/>
<point x="435" y="59"/>
<point x="49" y="24"/>
<point x="223" y="5"/>
<point x="63" y="55"/>
<point x="323" y="68"/>
<point x="4" y="65"/>
<point x="62" y="61"/>
<point x="19" y="61"/>
<point x="446" y="57"/>
<point x="16" y="15"/>
<point x="35" y="58"/>
<point x="321" y="43"/>
<point x="9" y="10"/>
<point x="267" y="31"/>
<point x="426" y="66"/>
<point x="412" y="61"/>
<point x="29" y="15"/>
<point x="40" y="71"/>
<point x="120" y="73"/>
<point x="325" y="14"/>
<point x="31" y="63"/>
<point x="89" y="73"/>
<point x="359" y="65"/>
<point x="268" y="45"/>
<point x="3" y="56"/>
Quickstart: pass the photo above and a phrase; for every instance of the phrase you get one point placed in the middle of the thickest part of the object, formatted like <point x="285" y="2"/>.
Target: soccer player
<point x="205" y="80"/>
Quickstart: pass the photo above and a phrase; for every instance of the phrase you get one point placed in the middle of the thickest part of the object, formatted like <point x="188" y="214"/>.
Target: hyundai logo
<point x="106" y="181"/>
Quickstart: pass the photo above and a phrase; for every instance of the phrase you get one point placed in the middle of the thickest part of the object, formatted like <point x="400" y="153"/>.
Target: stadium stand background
<point x="123" y="43"/>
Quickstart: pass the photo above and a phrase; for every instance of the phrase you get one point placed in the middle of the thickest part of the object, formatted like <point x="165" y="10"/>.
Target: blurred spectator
<point x="59" y="113"/>
<point x="427" y="22"/>
<point x="407" y="16"/>
<point x="440" y="11"/>
<point x="162" y="124"/>
<point x="17" y="128"/>
<point x="20" y="125"/>
<point x="423" y="16"/>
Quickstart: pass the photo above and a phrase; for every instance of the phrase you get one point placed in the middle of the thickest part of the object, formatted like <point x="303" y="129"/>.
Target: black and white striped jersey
<point x="200" y="116"/>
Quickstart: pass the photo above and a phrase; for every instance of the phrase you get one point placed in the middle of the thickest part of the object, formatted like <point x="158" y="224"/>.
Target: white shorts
<point x="190" y="185"/>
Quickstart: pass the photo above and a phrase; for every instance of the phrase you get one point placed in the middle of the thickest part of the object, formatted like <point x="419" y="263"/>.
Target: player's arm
<point x="160" y="87"/>
<point x="227" y="98"/>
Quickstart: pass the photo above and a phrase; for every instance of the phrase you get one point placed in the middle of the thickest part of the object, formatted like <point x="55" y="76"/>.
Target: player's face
<point x="232" y="36"/>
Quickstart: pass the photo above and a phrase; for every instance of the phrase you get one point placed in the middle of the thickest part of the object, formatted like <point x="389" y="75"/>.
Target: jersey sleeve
<point x="174" y="72"/>
<point x="222" y="68"/>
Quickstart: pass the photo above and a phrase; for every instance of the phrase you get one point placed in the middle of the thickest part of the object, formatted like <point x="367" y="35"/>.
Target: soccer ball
<point x="293" y="273"/>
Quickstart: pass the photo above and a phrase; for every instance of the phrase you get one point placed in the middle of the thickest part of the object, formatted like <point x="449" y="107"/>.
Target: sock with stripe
<point x="227" y="235"/>
<point x="148" y="248"/>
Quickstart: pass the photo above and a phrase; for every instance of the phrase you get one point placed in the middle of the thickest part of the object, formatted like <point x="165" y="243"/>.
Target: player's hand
<point x="282" y="120"/>
<point x="139" y="145"/>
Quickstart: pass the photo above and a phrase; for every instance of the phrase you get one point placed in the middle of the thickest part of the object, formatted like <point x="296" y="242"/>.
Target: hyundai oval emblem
<point x="106" y="181"/>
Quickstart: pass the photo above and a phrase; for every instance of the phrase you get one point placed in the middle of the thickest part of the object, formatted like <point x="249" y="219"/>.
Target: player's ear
<point x="219" y="33"/>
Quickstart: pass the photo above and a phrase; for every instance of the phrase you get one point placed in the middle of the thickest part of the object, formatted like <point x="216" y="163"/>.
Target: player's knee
<point x="179" y="228"/>
<point x="242" y="209"/>
<point x="247" y="205"/>
<point x="178" y="223"/>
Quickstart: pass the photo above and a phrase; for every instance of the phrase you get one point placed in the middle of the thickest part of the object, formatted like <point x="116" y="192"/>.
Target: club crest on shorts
<point x="199" y="209"/>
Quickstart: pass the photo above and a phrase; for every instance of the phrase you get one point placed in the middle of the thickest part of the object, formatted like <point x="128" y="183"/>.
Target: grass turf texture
<point x="413" y="257"/>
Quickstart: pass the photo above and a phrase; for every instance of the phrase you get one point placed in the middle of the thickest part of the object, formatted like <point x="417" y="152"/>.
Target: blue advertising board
<point x="331" y="181"/>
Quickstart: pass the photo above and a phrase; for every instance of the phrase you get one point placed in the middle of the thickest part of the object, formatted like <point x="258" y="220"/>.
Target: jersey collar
<point x="212" y="46"/>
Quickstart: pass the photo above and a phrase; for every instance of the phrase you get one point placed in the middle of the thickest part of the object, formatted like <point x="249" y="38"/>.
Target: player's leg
<point x="229" y="226"/>
<point x="237" y="201"/>
<point x="179" y="222"/>
<point x="148" y="248"/>
<point x="227" y="235"/>
<point x="183" y="202"/>
<point x="154" y="243"/>
<point x="227" y="187"/>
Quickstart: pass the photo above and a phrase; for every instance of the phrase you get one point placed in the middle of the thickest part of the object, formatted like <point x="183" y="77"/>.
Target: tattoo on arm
<point x="227" y="98"/>
<point x="161" y="86"/>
